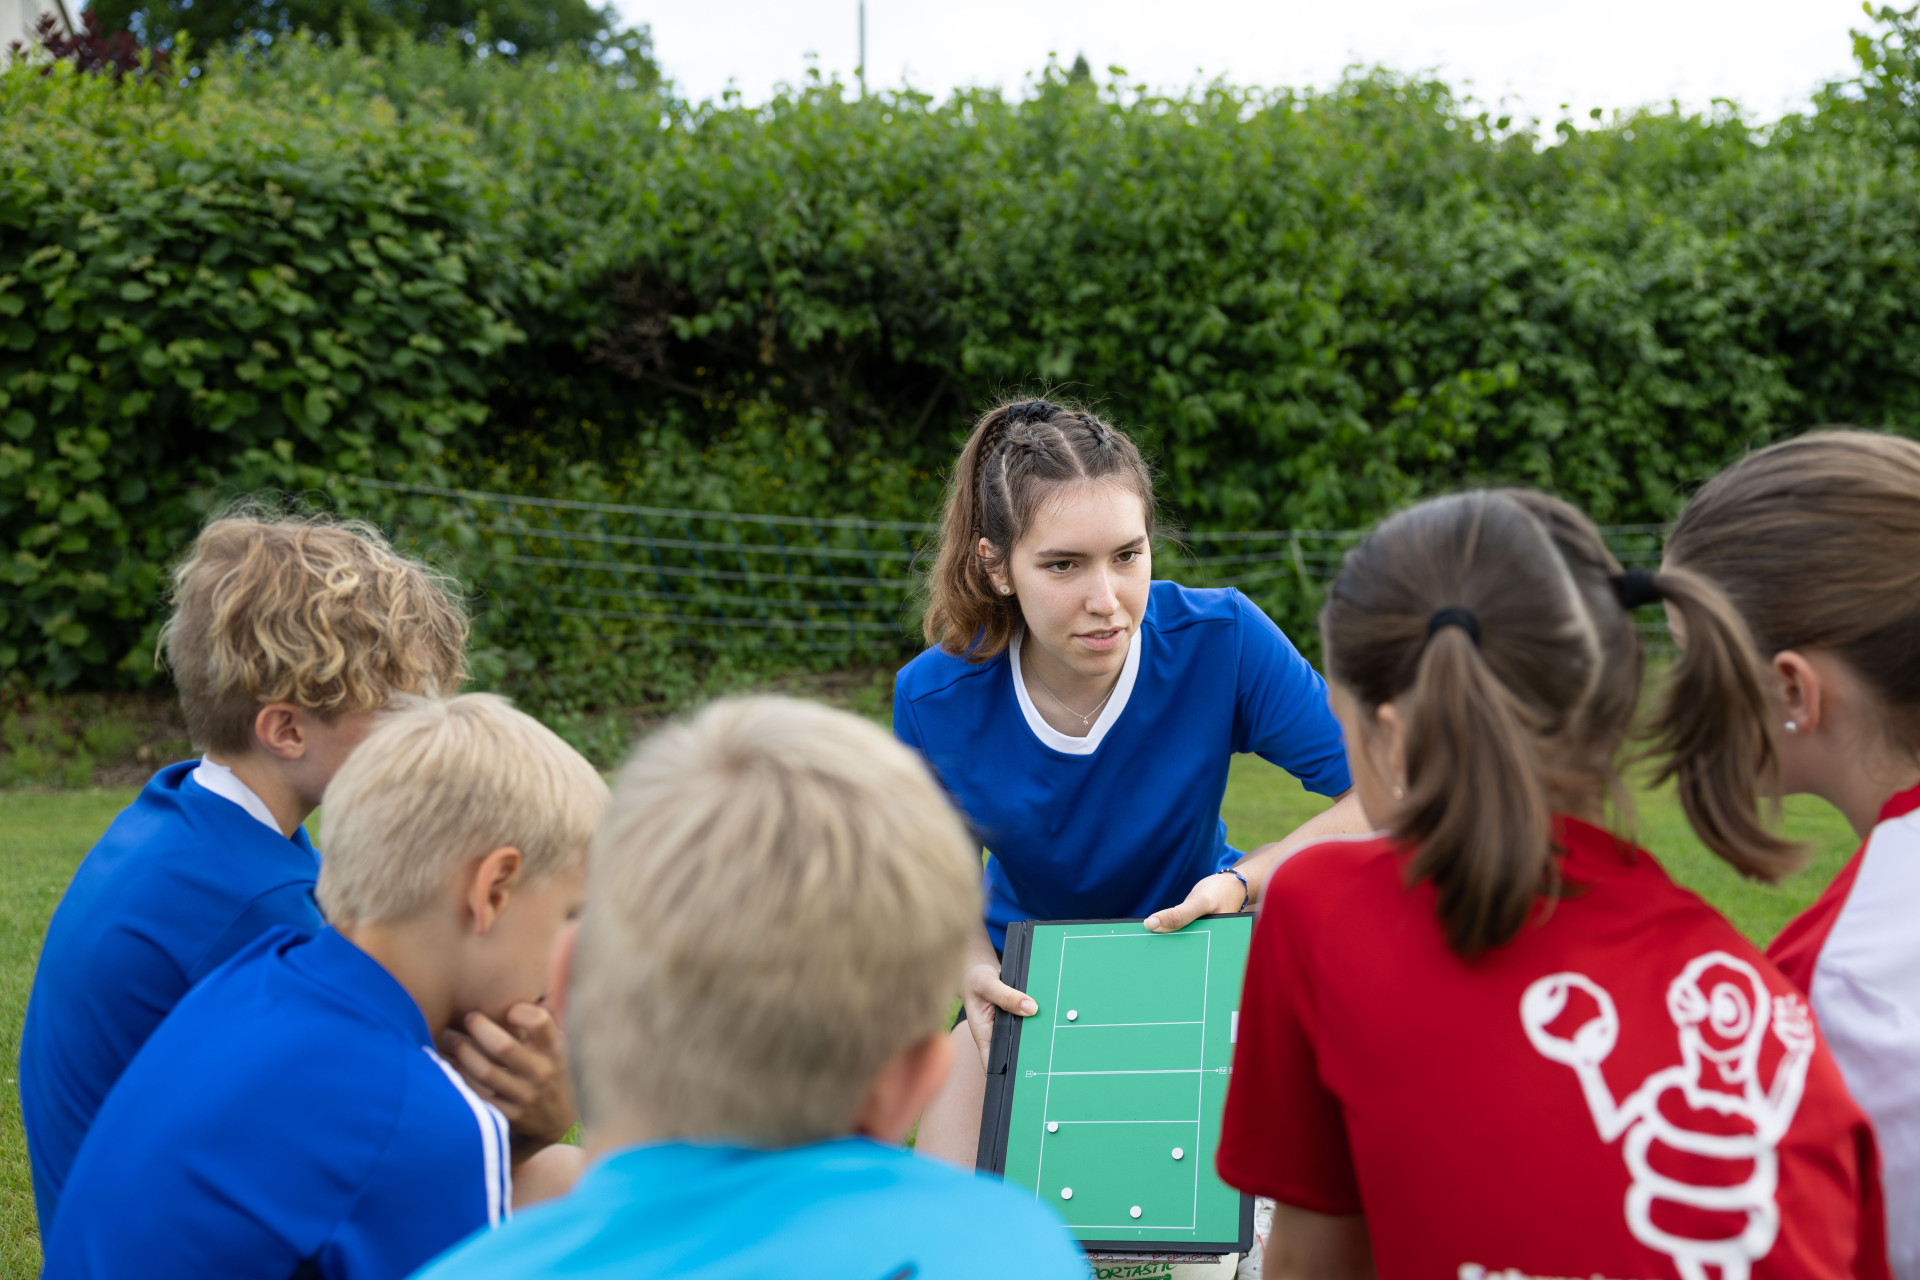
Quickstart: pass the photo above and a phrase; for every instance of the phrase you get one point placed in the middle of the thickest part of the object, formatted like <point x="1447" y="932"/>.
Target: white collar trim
<point x="1109" y="715"/>
<point x="226" y="784"/>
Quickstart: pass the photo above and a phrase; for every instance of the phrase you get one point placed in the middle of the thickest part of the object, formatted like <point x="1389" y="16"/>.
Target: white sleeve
<point x="1866" y="995"/>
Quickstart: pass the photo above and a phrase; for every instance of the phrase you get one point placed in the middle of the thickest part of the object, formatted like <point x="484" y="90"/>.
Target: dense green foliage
<point x="550" y="277"/>
<point x="190" y="280"/>
<point x="505" y="28"/>
<point x="1884" y="99"/>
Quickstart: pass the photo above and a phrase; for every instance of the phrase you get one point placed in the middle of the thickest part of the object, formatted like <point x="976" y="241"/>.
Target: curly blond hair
<point x="319" y="612"/>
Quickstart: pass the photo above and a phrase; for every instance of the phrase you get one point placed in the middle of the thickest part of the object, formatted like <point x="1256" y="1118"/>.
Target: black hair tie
<point x="1636" y="587"/>
<point x="1454" y="616"/>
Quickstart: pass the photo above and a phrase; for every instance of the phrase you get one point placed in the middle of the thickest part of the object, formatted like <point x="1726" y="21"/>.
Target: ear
<point x="1388" y="744"/>
<point x="1802" y="697"/>
<point x="560" y="971"/>
<point x="489" y="885"/>
<point x="996" y="568"/>
<point x="904" y="1087"/>
<point x="280" y="729"/>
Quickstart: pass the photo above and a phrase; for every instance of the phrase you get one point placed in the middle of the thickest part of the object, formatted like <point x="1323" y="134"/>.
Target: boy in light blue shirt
<point x="777" y="909"/>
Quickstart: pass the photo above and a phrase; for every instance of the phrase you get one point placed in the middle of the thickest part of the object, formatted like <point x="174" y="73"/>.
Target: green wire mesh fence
<point x="553" y="569"/>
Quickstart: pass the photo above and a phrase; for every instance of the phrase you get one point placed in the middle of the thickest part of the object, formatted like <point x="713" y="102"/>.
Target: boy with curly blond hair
<point x="287" y="637"/>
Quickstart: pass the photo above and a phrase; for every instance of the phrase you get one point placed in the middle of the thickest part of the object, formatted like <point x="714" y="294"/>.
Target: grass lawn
<point x="42" y="838"/>
<point x="45" y="835"/>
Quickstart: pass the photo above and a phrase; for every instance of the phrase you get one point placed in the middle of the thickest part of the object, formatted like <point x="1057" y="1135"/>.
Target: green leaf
<point x="319" y="412"/>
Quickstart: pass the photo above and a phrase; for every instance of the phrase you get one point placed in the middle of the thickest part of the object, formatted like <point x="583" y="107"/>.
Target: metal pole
<point x="861" y="69"/>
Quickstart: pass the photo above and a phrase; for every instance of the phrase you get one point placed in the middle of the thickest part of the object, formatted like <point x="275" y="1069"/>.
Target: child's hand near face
<point x="520" y="1068"/>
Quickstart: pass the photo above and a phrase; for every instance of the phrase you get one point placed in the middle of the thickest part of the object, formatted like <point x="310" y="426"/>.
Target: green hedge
<point x="1311" y="306"/>
<point x="194" y="285"/>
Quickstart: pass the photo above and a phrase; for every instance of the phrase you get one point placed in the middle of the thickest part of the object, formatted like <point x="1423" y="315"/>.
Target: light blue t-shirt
<point x="850" y="1209"/>
<point x="1123" y="822"/>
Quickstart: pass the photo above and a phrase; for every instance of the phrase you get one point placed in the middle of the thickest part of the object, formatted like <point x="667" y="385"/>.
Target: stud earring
<point x="1006" y="591"/>
<point x="1399" y="792"/>
<point x="1791" y="727"/>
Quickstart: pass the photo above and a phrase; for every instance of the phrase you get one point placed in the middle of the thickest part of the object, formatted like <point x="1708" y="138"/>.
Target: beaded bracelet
<point x="1246" y="890"/>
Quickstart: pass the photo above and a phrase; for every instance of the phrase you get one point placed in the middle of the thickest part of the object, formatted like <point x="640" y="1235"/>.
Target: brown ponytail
<point x="1504" y="717"/>
<point x="1704" y="734"/>
<point x="1527" y="708"/>
<point x="1816" y="542"/>
<point x="1709" y="733"/>
<point x="1017" y="454"/>
<point x="1476" y="801"/>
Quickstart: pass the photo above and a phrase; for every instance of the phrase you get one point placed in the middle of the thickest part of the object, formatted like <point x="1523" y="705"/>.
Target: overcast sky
<point x="1769" y="55"/>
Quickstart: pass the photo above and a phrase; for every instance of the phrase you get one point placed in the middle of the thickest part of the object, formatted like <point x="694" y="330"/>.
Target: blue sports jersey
<point x="181" y="880"/>
<point x="290" y="1118"/>
<point x="849" y="1209"/>
<point x="1124" y="822"/>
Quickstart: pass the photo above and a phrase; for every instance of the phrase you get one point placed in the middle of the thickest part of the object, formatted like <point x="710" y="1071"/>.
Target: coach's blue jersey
<point x="181" y="880"/>
<point x="1123" y="822"/>
<point x="849" y="1209"/>
<point x="289" y="1119"/>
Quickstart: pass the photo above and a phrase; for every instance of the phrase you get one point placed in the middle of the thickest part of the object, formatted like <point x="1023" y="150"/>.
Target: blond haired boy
<point x="291" y="1116"/>
<point x="777" y="910"/>
<point x="285" y="638"/>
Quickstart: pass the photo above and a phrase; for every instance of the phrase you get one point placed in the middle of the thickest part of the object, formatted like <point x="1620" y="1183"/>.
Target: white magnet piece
<point x="1053" y="1126"/>
<point x="1066" y="1193"/>
<point x="1134" y="1212"/>
<point x="1177" y="1153"/>
<point x="1072" y="1014"/>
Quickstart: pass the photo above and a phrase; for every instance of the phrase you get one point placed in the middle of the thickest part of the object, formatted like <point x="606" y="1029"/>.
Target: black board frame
<point x="996" y="1112"/>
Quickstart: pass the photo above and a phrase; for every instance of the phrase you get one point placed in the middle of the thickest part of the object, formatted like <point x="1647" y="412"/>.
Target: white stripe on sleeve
<point x="496" y="1160"/>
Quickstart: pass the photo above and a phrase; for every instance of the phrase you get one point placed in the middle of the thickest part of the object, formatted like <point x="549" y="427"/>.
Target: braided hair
<point x="1018" y="453"/>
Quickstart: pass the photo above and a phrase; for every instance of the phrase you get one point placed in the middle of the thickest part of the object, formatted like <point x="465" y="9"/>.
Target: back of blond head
<point x="437" y="784"/>
<point x="318" y="612"/>
<point x="778" y="903"/>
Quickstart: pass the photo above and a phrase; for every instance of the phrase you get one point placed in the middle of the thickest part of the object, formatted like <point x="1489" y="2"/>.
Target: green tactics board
<point x="1107" y="1101"/>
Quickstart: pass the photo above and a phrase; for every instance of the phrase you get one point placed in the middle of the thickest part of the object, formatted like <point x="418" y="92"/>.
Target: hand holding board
<point x="1107" y="1102"/>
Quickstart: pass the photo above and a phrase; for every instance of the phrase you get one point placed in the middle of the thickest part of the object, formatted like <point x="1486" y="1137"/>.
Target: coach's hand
<point x="1217" y="894"/>
<point x="520" y="1068"/>
<point x="981" y="994"/>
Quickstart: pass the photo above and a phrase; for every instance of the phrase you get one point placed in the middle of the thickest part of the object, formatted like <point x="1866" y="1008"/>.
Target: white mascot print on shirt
<point x="1721" y="1008"/>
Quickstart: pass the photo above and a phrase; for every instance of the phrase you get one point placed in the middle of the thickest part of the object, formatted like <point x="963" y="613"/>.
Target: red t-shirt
<point x="1628" y="1089"/>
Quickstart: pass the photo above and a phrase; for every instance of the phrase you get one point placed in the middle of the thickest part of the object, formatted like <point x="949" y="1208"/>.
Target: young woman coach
<point x="1082" y="715"/>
